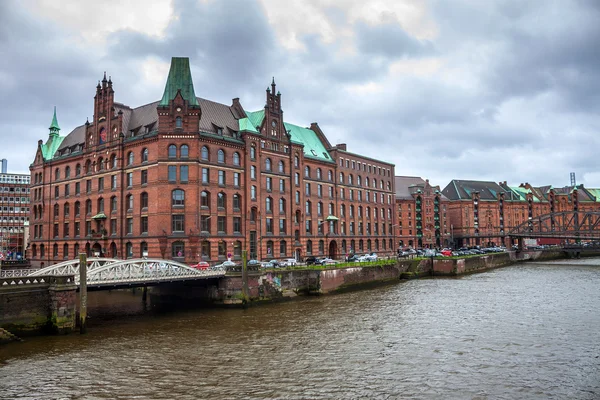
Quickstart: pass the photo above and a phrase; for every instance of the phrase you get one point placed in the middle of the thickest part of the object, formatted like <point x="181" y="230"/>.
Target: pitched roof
<point x="462" y="190"/>
<point x="180" y="79"/>
<point x="402" y="184"/>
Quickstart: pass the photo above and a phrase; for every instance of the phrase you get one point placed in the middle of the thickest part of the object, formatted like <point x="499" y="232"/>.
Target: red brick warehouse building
<point x="187" y="178"/>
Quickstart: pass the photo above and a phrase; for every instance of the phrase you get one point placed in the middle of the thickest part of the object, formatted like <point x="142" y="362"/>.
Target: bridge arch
<point x="562" y="225"/>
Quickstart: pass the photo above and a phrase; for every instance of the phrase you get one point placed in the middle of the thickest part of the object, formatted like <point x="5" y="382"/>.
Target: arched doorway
<point x="298" y="254"/>
<point x="333" y="250"/>
<point x="97" y="250"/>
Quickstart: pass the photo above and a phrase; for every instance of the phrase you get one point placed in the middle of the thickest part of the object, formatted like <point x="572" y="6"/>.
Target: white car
<point x="290" y="262"/>
<point x="328" y="261"/>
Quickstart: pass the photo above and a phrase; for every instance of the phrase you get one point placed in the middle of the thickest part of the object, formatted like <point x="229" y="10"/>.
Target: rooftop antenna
<point x="573" y="181"/>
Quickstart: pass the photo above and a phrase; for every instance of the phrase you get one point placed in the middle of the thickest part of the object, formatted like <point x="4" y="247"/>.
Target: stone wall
<point x="455" y="267"/>
<point x="38" y="305"/>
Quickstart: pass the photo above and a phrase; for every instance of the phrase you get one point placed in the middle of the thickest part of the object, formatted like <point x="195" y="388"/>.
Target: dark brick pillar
<point x="63" y="303"/>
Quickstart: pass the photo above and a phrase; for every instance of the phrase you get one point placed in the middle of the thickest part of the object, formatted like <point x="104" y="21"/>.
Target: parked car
<point x="352" y="258"/>
<point x="328" y="261"/>
<point x="289" y="262"/>
<point x="311" y="260"/>
<point x="446" y="253"/>
<point x="267" y="264"/>
<point x="252" y="263"/>
<point x="202" y="265"/>
<point x="224" y="265"/>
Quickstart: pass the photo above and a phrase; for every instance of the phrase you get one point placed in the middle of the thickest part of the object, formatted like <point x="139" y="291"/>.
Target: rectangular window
<point x="129" y="226"/>
<point x="236" y="179"/>
<point x="172" y="173"/>
<point x="269" y="184"/>
<point x="88" y="186"/>
<point x="252" y="172"/>
<point x="222" y="178"/>
<point x="88" y="228"/>
<point x="331" y="192"/>
<point x="100" y="184"/>
<point x="177" y="223"/>
<point x="307" y="189"/>
<point x="221" y="224"/>
<point x="308" y="225"/>
<point x="269" y="225"/>
<point x="282" y="226"/>
<point x="66" y="229"/>
<point x="297" y="179"/>
<point x="205" y="223"/>
<point x="237" y="224"/>
<point x="113" y="181"/>
<point x="183" y="173"/>
<point x="77" y="229"/>
<point x="77" y="188"/>
<point x="320" y="190"/>
<point x="113" y="227"/>
<point x="129" y="179"/>
<point x="67" y="190"/>
<point x="281" y="186"/>
<point x="205" y="175"/>
<point x="143" y="179"/>
<point x="144" y="225"/>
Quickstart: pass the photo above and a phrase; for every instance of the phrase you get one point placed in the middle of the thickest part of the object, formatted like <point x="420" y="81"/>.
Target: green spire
<point x="180" y="79"/>
<point x="54" y="128"/>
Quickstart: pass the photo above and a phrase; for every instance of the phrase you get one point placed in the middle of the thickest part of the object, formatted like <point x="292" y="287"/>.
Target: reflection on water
<point x="520" y="332"/>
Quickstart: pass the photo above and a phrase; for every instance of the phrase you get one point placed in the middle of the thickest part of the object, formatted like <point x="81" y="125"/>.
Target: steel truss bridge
<point x="108" y="273"/>
<point x="584" y="225"/>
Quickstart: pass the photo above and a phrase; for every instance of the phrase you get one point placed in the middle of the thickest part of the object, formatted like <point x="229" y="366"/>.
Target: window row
<point x="372" y="169"/>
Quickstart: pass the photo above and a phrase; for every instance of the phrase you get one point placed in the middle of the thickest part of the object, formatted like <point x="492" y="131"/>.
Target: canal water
<point x="522" y="332"/>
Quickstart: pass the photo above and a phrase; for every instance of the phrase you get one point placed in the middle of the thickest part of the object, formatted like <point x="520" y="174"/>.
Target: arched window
<point x="77" y="170"/>
<point x="308" y="207"/>
<point x="237" y="202"/>
<point x="129" y="202"/>
<point x="281" y="167"/>
<point x="143" y="201"/>
<point x="66" y="210"/>
<point x="309" y="247"/>
<point x="268" y="164"/>
<point x="178" y="122"/>
<point x="100" y="164"/>
<point x="253" y="214"/>
<point x="178" y="249"/>
<point x="341" y="177"/>
<point x="177" y="198"/>
<point x="67" y="172"/>
<point x="184" y="151"/>
<point x="307" y="172"/>
<point x="236" y="158"/>
<point x="367" y="181"/>
<point x="319" y="176"/>
<point x="143" y="249"/>
<point x="65" y="251"/>
<point x="101" y="205"/>
<point x="56" y="215"/>
<point x="221" y="200"/>
<point x="144" y="155"/>
<point x="350" y="180"/>
<point x="252" y="152"/>
<point x="282" y="248"/>
<point x="128" y="250"/>
<point x="205" y="199"/>
<point x="375" y="183"/>
<point x="204" y="153"/>
<point x="56" y="174"/>
<point x="113" y="161"/>
<point x="282" y="206"/>
<point x="330" y="175"/>
<point x="55" y="250"/>
<point x="88" y="165"/>
<point x="270" y="253"/>
<point x="172" y="151"/>
<point x="321" y="247"/>
<point x="296" y="161"/>
<point x="269" y="205"/>
<point x="130" y="158"/>
<point x="77" y="209"/>
<point x="221" y="156"/>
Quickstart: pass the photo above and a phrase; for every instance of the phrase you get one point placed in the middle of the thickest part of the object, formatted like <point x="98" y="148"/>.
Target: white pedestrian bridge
<point x="109" y="273"/>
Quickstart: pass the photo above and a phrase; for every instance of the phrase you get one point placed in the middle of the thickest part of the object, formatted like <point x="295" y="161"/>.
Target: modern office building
<point x="14" y="213"/>
<point x="189" y="179"/>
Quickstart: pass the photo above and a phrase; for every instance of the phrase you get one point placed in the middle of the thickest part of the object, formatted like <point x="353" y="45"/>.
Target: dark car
<point x="352" y="258"/>
<point x="311" y="260"/>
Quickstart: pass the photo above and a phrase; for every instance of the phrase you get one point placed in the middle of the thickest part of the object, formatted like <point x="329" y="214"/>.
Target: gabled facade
<point x="189" y="179"/>
<point x="421" y="214"/>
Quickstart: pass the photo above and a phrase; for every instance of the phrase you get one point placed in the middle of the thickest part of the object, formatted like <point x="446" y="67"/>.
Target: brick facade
<point x="189" y="179"/>
<point x="14" y="214"/>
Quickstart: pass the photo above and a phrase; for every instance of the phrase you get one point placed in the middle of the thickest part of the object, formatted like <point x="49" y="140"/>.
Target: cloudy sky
<point x="461" y="89"/>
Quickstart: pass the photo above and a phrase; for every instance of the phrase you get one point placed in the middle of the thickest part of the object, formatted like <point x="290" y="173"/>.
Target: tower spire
<point x="54" y="128"/>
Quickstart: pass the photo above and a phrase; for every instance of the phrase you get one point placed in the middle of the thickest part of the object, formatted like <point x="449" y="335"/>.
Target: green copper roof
<point x="254" y="119"/>
<point x="595" y="193"/>
<point x="313" y="147"/>
<point x="50" y="147"/>
<point x="54" y="128"/>
<point x="180" y="78"/>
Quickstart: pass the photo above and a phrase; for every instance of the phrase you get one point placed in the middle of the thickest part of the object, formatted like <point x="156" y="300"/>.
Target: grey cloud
<point x="389" y="40"/>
